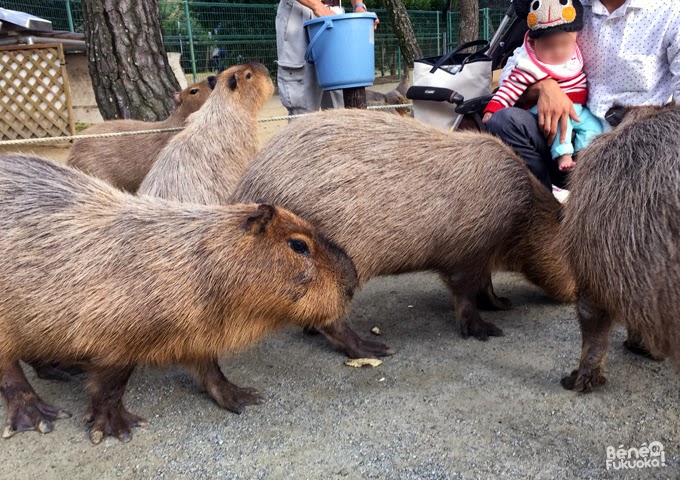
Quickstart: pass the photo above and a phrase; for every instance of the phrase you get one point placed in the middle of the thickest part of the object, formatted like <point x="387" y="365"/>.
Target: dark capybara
<point x="93" y="274"/>
<point x="125" y="161"/>
<point x="622" y="231"/>
<point x="203" y="163"/>
<point x="400" y="196"/>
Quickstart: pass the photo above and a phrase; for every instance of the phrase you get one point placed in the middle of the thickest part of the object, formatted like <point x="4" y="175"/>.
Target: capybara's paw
<point x="638" y="348"/>
<point x="55" y="371"/>
<point x="479" y="329"/>
<point x="583" y="380"/>
<point x="112" y="422"/>
<point x="367" y="349"/>
<point x="235" y="399"/>
<point x="31" y="413"/>
<point x="493" y="302"/>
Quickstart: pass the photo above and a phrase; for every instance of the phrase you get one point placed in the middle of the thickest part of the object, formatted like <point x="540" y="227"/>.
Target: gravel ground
<point x="441" y="407"/>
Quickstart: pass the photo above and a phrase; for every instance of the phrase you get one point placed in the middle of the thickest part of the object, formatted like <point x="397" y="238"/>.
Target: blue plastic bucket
<point x="341" y="47"/>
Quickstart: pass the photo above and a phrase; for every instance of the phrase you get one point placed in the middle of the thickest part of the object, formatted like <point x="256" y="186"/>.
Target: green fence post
<point x="439" y="40"/>
<point x="69" y="15"/>
<point x="191" y="41"/>
<point x="486" y="23"/>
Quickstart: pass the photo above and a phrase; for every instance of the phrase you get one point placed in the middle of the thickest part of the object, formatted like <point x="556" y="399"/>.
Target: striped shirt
<point x="528" y="70"/>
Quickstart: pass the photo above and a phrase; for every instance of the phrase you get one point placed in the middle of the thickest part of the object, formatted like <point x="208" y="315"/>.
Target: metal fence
<point x="213" y="35"/>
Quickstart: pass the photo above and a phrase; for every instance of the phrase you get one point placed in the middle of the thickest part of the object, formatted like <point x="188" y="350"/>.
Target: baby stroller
<point x="453" y="108"/>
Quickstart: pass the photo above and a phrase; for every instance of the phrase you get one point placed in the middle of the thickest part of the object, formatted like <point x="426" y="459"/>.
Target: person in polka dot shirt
<point x="631" y="56"/>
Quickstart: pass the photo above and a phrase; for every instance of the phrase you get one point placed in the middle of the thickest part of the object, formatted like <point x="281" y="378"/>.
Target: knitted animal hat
<point x="549" y="16"/>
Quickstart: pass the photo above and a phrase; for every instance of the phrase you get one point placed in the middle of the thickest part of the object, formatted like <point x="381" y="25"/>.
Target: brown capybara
<point x="203" y="163"/>
<point x="622" y="232"/>
<point x="93" y="274"/>
<point x="125" y="161"/>
<point x="396" y="96"/>
<point x="400" y="196"/>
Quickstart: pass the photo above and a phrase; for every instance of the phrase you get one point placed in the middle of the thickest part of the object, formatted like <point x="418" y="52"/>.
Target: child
<point x="550" y="51"/>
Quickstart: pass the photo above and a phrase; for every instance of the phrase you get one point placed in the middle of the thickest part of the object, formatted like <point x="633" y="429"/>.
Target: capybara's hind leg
<point x="227" y="395"/>
<point x="635" y="344"/>
<point x="464" y="290"/>
<point x="488" y="300"/>
<point x="595" y="326"/>
<point x="25" y="410"/>
<point x="344" y="338"/>
<point x="55" y="371"/>
<point x="106" y="414"/>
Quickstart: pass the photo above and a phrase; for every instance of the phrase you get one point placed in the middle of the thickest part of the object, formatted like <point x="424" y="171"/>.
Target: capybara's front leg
<point x="106" y="414"/>
<point x="636" y="345"/>
<point x="464" y="290"/>
<point x="488" y="300"/>
<point x="595" y="326"/>
<point x="25" y="410"/>
<point x="347" y="340"/>
<point x="227" y="395"/>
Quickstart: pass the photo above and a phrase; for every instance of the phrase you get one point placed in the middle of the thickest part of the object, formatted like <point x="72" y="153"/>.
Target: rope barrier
<point x="32" y="141"/>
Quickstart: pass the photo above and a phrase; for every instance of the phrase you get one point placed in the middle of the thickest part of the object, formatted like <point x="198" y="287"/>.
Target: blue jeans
<point x="586" y="129"/>
<point x="519" y="129"/>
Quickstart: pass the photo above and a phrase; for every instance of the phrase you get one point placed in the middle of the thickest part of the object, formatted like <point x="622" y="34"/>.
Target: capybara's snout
<point x="347" y="272"/>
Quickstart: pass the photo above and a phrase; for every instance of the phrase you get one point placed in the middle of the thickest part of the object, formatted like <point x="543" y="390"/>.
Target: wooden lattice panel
<point x="35" y="99"/>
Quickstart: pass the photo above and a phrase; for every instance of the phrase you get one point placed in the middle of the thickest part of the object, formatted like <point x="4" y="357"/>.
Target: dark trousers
<point x="519" y="129"/>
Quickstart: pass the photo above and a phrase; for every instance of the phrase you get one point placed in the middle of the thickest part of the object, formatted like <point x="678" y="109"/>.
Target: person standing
<point x="298" y="87"/>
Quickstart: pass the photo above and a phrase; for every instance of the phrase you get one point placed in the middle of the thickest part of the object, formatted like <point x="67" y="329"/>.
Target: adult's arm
<point x="316" y="6"/>
<point x="673" y="53"/>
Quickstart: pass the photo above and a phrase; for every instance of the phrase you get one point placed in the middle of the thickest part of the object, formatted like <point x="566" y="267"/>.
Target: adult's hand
<point x="554" y="108"/>
<point x="363" y="10"/>
<point x="322" y="10"/>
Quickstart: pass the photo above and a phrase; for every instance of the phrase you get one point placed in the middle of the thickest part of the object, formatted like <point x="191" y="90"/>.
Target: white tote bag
<point x="469" y="74"/>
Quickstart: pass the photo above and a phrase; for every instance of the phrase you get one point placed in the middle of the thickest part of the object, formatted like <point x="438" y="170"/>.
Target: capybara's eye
<point x="298" y="246"/>
<point x="193" y="91"/>
<point x="248" y="75"/>
<point x="535" y="5"/>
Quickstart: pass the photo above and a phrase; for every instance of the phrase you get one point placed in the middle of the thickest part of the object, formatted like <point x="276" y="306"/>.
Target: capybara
<point x="90" y="273"/>
<point x="125" y="161"/>
<point x="622" y="231"/>
<point x="203" y="163"/>
<point x="396" y="96"/>
<point x="400" y="196"/>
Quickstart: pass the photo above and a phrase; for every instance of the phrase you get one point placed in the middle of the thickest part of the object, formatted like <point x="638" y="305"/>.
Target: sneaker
<point x="560" y="194"/>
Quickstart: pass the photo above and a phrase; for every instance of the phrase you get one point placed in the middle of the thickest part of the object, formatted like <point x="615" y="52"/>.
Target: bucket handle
<point x="327" y="24"/>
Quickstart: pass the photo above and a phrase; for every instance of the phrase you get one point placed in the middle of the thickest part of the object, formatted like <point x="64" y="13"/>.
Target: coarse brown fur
<point x="404" y="197"/>
<point x="622" y="229"/>
<point x="92" y="273"/>
<point x="125" y="161"/>
<point x="203" y="163"/>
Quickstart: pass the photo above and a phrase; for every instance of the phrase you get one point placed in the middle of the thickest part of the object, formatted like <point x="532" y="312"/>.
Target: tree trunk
<point x="401" y="24"/>
<point x="128" y="65"/>
<point x="469" y="21"/>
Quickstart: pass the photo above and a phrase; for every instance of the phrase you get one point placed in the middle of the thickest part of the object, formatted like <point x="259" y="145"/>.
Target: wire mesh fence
<point x="212" y="35"/>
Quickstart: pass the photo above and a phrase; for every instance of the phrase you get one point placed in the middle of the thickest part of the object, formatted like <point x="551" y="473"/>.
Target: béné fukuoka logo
<point x="646" y="456"/>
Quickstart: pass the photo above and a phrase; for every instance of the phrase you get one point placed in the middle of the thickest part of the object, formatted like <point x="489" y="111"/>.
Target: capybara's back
<point x="400" y="196"/>
<point x="622" y="226"/>
<point x="124" y="161"/>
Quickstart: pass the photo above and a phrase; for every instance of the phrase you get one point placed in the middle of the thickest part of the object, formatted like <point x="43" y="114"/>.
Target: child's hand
<point x="486" y="117"/>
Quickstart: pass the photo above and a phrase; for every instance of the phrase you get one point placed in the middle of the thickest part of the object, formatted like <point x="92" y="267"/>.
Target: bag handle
<point x="327" y="23"/>
<point x="448" y="56"/>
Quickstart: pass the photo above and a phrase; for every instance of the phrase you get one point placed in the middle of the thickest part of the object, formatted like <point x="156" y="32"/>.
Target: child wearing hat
<point x="550" y="51"/>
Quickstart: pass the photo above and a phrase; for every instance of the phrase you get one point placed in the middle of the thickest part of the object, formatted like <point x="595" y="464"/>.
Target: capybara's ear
<point x="177" y="98"/>
<point x="212" y="80"/>
<point x="257" y="223"/>
<point x="232" y="82"/>
<point x="615" y="114"/>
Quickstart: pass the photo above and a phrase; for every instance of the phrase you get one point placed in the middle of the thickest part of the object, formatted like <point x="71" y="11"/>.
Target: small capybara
<point x="203" y="163"/>
<point x="93" y="274"/>
<point x="400" y="196"/>
<point x="396" y="96"/>
<point x="125" y="161"/>
<point x="622" y="231"/>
